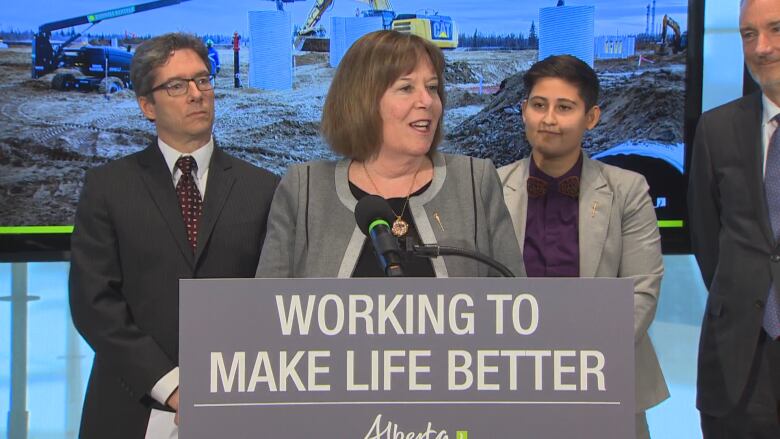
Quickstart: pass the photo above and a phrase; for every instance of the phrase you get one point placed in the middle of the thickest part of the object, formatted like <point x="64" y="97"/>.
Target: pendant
<point x="400" y="227"/>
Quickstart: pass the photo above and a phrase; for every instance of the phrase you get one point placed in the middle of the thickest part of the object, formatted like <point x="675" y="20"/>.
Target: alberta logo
<point x="391" y="430"/>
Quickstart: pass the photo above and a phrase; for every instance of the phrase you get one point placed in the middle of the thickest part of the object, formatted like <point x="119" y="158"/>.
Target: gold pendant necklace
<point x="400" y="227"/>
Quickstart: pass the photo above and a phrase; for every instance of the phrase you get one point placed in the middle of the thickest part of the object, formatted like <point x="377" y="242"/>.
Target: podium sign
<point x="407" y="358"/>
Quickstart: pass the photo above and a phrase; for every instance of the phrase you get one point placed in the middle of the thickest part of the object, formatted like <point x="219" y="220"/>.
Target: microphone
<point x="373" y="216"/>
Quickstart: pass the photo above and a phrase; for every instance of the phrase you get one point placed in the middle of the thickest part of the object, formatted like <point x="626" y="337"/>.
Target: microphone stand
<point x="433" y="250"/>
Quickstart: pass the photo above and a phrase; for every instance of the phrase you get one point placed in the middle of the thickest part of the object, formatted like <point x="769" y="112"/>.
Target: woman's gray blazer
<point x="312" y="230"/>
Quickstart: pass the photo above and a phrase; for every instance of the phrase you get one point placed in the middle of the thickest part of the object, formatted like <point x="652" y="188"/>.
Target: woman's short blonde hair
<point x="351" y="123"/>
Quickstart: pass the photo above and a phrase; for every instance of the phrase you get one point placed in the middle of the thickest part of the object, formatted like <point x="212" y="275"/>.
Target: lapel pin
<point x="593" y="210"/>
<point x="438" y="220"/>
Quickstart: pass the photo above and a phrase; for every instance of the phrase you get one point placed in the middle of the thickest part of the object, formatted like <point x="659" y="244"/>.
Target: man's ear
<point x="593" y="116"/>
<point x="147" y="107"/>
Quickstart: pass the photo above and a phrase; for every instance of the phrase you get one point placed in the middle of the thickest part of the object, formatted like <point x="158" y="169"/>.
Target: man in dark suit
<point x="734" y="201"/>
<point x="181" y="208"/>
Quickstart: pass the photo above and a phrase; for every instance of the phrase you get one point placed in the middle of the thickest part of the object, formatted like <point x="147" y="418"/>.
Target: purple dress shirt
<point x="551" y="247"/>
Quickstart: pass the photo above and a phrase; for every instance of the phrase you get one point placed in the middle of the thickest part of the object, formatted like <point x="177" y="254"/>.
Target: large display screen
<point x="66" y="108"/>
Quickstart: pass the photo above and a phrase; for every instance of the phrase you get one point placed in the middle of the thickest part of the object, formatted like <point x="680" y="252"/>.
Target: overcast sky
<point x="224" y="17"/>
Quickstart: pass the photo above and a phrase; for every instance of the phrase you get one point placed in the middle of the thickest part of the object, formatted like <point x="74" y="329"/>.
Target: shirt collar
<point x="201" y="155"/>
<point x="575" y="170"/>
<point x="771" y="110"/>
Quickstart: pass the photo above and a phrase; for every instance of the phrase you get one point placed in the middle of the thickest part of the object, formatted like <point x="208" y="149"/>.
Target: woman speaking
<point x="383" y="114"/>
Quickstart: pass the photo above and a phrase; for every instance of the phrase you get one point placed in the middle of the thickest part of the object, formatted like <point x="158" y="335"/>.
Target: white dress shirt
<point x="161" y="424"/>
<point x="768" y="126"/>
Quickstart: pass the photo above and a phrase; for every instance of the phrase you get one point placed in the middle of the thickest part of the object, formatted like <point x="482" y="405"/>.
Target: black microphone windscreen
<point x="370" y="208"/>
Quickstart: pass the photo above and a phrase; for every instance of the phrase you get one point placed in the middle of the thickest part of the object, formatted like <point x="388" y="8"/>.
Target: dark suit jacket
<point x="734" y="245"/>
<point x="128" y="251"/>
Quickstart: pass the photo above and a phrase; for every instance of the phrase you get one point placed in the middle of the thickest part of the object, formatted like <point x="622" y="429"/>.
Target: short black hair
<point x="570" y="69"/>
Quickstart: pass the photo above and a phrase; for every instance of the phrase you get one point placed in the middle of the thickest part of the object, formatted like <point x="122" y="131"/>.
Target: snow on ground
<point x="49" y="138"/>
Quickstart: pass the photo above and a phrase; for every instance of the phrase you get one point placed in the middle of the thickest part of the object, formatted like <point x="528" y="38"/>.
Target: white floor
<point x="675" y="334"/>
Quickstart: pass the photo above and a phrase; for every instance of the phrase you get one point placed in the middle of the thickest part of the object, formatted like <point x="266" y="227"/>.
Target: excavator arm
<point x="379" y="5"/>
<point x="308" y="28"/>
<point x="676" y="40"/>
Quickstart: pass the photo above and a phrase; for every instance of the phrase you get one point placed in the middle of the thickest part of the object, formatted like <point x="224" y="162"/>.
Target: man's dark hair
<point x="156" y="52"/>
<point x="570" y="69"/>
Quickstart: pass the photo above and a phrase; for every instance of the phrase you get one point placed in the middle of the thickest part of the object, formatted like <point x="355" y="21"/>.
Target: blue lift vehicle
<point x="88" y="68"/>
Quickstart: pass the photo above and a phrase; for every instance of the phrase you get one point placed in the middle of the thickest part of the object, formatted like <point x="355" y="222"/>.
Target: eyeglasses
<point x="181" y="86"/>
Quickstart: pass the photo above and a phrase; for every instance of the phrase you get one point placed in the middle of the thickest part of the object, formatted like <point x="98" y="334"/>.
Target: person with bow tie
<point x="577" y="217"/>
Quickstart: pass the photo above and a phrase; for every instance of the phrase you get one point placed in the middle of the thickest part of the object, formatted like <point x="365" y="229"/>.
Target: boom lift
<point x="103" y="68"/>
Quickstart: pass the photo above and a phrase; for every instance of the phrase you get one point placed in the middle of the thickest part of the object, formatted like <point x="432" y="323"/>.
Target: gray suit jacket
<point x="619" y="237"/>
<point x="312" y="230"/>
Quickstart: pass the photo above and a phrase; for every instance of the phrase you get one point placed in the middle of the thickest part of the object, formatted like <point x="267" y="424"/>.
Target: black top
<point x="368" y="264"/>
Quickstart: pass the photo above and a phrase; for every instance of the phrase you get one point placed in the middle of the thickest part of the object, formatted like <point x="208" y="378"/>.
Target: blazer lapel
<point x="220" y="182"/>
<point x="158" y="180"/>
<point x="747" y="125"/>
<point x="594" y="214"/>
<point x="516" y="198"/>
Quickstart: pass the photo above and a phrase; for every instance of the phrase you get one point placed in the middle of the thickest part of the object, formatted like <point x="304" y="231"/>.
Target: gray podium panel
<point x="407" y="358"/>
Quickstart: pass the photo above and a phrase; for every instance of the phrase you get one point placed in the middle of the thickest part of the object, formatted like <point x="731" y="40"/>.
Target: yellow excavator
<point x="678" y="41"/>
<point x="439" y="29"/>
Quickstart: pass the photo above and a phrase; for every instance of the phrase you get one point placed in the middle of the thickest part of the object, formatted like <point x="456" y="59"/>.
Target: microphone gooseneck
<point x="373" y="216"/>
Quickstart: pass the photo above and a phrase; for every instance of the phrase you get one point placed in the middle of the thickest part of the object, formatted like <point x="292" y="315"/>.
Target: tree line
<point x="511" y="41"/>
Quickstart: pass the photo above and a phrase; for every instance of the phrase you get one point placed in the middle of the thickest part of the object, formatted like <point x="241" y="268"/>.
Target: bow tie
<point x="569" y="186"/>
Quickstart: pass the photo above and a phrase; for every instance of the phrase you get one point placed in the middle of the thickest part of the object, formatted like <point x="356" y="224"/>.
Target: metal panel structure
<point x="270" y="51"/>
<point x="614" y="47"/>
<point x="567" y="30"/>
<point x="346" y="30"/>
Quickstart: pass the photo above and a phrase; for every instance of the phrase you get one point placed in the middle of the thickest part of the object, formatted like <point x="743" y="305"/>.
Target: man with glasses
<point x="181" y="208"/>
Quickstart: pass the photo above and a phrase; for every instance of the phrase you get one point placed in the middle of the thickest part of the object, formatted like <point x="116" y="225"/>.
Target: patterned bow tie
<point x="569" y="186"/>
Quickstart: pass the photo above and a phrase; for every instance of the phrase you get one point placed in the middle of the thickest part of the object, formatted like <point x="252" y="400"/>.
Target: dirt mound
<point x="311" y="58"/>
<point x="644" y="107"/>
<point x="459" y="72"/>
<point x="49" y="174"/>
<point x="460" y="98"/>
<point x="496" y="131"/>
<point x="36" y="84"/>
<point x="15" y="59"/>
<point x="647" y="107"/>
<point x="285" y="128"/>
<point x="125" y="93"/>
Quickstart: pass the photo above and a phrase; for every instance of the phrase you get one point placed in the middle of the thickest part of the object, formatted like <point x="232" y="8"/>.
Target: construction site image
<point x="66" y="103"/>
